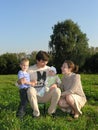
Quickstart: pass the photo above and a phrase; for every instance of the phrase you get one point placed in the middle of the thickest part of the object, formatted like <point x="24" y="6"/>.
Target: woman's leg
<point x="71" y="102"/>
<point x="62" y="103"/>
<point x="64" y="106"/>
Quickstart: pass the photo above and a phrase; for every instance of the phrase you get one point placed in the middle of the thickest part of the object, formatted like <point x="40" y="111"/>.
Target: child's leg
<point x="23" y="102"/>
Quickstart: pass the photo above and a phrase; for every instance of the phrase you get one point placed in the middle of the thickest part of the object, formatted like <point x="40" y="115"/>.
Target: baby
<point x="51" y="82"/>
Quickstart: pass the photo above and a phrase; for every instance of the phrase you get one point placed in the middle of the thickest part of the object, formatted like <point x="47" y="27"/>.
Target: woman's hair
<point x="72" y="66"/>
<point x="42" y="55"/>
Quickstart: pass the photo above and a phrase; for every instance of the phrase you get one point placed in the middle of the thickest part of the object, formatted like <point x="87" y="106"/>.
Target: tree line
<point x="67" y="42"/>
<point x="9" y="63"/>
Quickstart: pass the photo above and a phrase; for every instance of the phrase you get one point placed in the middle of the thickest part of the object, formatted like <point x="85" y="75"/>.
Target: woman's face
<point x="65" y="69"/>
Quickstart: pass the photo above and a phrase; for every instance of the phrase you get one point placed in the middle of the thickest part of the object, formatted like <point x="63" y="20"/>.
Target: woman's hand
<point x="63" y="94"/>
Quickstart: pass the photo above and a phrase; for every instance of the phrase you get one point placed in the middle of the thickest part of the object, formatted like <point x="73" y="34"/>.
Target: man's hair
<point x="42" y="55"/>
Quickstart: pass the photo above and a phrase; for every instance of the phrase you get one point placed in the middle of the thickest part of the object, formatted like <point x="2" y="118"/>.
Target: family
<point x="40" y="84"/>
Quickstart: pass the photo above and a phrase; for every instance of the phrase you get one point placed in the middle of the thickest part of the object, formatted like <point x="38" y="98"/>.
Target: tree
<point x="9" y="64"/>
<point x="32" y="57"/>
<point x="68" y="42"/>
<point x="3" y="65"/>
<point x="91" y="64"/>
<point x="93" y="50"/>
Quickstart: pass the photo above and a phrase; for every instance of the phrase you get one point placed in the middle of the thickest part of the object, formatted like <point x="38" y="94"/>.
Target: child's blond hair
<point x="23" y="60"/>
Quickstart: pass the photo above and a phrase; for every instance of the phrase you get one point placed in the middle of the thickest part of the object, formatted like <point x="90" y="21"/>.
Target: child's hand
<point x="53" y="86"/>
<point x="22" y="81"/>
<point x="33" y="82"/>
<point x="63" y="94"/>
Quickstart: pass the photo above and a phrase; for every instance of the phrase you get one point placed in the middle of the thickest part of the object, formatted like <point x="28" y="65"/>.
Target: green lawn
<point x="9" y="99"/>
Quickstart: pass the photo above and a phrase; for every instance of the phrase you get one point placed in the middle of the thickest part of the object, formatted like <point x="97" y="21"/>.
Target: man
<point x="38" y="74"/>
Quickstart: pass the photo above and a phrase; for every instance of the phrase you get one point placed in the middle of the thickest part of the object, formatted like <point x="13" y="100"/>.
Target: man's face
<point x="41" y="63"/>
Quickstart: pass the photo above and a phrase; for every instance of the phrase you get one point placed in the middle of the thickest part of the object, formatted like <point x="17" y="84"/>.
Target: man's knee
<point x="56" y="91"/>
<point x="31" y="90"/>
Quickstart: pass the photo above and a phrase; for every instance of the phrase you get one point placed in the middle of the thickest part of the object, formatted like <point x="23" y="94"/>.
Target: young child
<point x="51" y="82"/>
<point x="22" y="74"/>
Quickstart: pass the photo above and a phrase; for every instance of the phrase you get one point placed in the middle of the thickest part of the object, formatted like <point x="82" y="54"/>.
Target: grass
<point x="9" y="99"/>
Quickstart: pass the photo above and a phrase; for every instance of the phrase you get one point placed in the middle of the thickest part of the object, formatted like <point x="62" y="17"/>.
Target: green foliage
<point x="68" y="42"/>
<point x="91" y="64"/>
<point x="9" y="63"/>
<point x="9" y="100"/>
<point x="32" y="57"/>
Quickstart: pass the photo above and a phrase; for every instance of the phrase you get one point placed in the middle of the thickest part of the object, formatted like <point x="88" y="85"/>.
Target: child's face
<point x="24" y="66"/>
<point x="51" y="73"/>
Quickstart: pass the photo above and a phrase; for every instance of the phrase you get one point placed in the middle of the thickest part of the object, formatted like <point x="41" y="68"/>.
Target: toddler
<point x="51" y="82"/>
<point x="22" y="74"/>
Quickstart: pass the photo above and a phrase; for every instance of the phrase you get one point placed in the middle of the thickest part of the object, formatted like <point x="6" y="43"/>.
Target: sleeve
<point x="58" y="80"/>
<point x="61" y="86"/>
<point x="20" y="75"/>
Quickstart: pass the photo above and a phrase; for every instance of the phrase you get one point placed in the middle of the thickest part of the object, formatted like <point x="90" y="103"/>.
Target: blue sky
<point x="26" y="25"/>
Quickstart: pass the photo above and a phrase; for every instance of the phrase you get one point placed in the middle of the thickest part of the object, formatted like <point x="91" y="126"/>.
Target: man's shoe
<point x="36" y="117"/>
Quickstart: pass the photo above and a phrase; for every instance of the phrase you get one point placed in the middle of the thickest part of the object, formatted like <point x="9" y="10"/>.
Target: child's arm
<point x="32" y="83"/>
<point x="21" y="81"/>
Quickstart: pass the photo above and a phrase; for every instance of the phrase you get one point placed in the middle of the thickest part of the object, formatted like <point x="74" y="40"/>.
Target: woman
<point x="72" y="98"/>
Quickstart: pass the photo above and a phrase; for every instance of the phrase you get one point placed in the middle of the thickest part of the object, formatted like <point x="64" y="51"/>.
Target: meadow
<point x="9" y="100"/>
